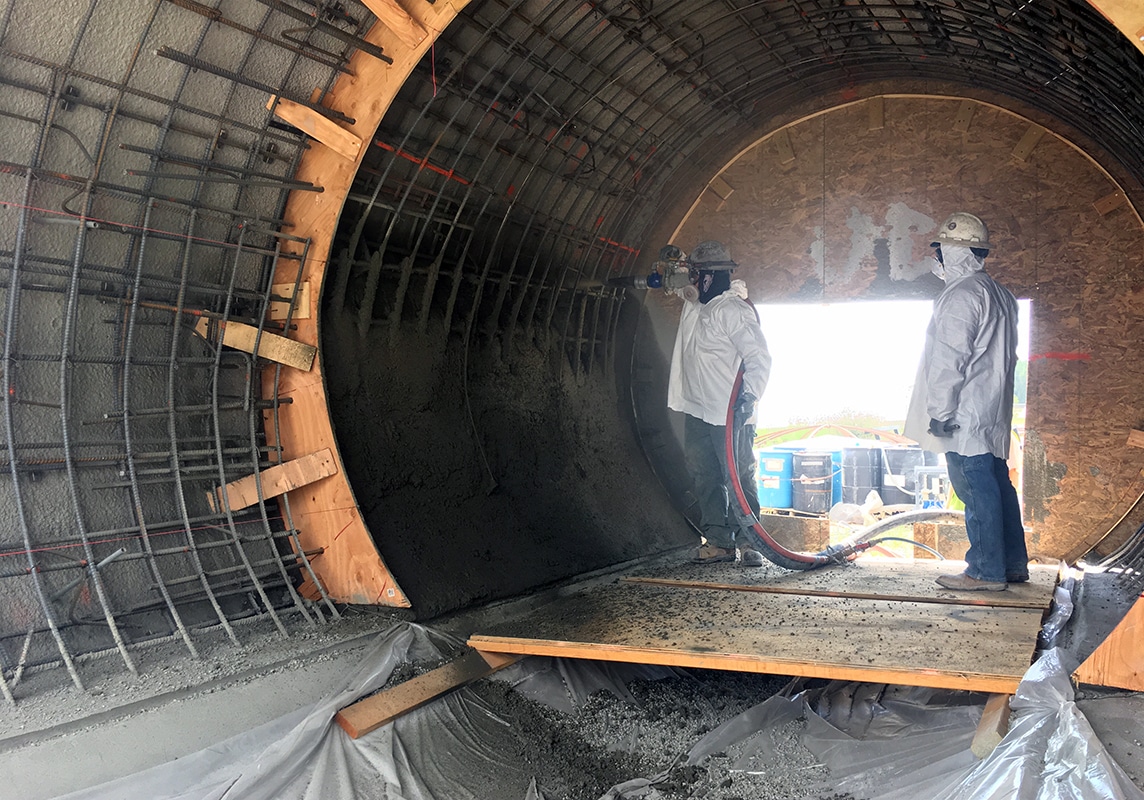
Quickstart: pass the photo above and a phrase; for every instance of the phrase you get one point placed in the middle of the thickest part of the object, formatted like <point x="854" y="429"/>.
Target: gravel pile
<point x="609" y="741"/>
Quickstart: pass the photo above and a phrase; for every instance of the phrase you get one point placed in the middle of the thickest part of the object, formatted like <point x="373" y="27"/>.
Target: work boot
<point x="709" y="554"/>
<point x="964" y="583"/>
<point x="1017" y="577"/>
<point x="750" y="558"/>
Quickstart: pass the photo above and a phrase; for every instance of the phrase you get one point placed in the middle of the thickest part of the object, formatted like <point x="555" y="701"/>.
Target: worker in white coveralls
<point x="962" y="403"/>
<point x="718" y="332"/>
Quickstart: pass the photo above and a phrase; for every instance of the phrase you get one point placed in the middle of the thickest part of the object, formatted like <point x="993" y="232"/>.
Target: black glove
<point x="943" y="430"/>
<point x="745" y="406"/>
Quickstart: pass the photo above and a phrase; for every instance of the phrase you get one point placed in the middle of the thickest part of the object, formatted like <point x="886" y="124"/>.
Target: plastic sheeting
<point x="878" y="742"/>
<point x="1049" y="753"/>
<point x="455" y="747"/>
<point x="306" y="756"/>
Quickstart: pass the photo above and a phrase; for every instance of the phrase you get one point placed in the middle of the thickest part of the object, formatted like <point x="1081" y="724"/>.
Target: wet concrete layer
<point x="487" y="473"/>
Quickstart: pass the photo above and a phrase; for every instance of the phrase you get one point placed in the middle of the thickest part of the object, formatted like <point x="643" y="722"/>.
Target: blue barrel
<point x="812" y="482"/>
<point x="773" y="477"/>
<point x="861" y="473"/>
<point x="836" y="473"/>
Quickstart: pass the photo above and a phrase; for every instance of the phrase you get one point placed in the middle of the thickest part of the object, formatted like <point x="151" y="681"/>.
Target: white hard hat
<point x="963" y="229"/>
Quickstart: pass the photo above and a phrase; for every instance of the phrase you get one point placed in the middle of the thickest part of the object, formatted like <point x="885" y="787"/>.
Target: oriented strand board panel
<point x="845" y="222"/>
<point x="1119" y="660"/>
<point x="972" y="647"/>
<point x="866" y="578"/>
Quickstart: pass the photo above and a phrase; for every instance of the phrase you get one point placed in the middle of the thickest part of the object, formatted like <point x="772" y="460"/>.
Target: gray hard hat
<point x="711" y="255"/>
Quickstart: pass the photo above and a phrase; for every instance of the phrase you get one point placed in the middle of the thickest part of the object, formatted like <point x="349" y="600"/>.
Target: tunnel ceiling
<point x="582" y="120"/>
<point x="143" y="183"/>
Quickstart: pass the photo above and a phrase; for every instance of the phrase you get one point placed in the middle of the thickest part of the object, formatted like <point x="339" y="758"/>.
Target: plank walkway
<point x="876" y="621"/>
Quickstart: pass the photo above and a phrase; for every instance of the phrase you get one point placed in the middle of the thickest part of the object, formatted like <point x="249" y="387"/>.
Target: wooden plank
<point x="1119" y="660"/>
<point x="963" y="647"/>
<point x="739" y="662"/>
<point x="397" y="19"/>
<point x="316" y="126"/>
<point x="993" y="726"/>
<point x="994" y="600"/>
<point x="1028" y="142"/>
<point x="876" y="113"/>
<point x="369" y="714"/>
<point x="271" y="346"/>
<point x="275" y="481"/>
<point x="279" y="308"/>
<point x="1135" y="438"/>
<point x="721" y="187"/>
<point x="1110" y="202"/>
<point x="964" y="116"/>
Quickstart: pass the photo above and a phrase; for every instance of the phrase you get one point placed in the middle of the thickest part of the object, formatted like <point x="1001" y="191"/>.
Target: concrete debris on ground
<point x="555" y="729"/>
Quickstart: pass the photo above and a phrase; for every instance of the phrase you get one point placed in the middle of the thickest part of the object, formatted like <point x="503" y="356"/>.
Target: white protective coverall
<point x="712" y="338"/>
<point x="966" y="372"/>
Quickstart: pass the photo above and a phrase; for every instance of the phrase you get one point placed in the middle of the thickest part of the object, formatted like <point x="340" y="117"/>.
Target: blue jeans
<point x="992" y="517"/>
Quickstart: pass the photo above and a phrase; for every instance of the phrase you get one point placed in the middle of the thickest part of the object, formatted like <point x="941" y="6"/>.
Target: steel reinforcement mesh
<point x="142" y="180"/>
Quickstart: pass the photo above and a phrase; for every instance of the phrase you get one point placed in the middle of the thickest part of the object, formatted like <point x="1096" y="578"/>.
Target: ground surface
<point x="178" y="705"/>
<point x="608" y="741"/>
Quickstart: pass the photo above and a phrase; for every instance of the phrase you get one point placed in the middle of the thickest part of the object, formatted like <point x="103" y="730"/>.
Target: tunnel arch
<point x="147" y="187"/>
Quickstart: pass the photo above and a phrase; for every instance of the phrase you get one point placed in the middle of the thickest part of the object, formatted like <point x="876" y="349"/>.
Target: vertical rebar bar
<point x="10" y="334"/>
<point x="253" y="418"/>
<point x="67" y="342"/>
<point x="239" y="550"/>
<point x="173" y="434"/>
<point x="136" y="495"/>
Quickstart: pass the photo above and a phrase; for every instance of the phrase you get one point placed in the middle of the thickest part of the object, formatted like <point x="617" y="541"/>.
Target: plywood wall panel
<point x="851" y="216"/>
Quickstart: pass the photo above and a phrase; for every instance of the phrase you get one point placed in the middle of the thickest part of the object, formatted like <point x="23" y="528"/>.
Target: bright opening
<point x="845" y="371"/>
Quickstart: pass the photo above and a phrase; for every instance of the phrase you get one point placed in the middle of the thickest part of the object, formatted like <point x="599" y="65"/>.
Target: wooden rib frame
<point x="326" y="513"/>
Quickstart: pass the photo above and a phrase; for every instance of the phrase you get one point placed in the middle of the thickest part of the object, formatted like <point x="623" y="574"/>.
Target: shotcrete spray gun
<point x="670" y="272"/>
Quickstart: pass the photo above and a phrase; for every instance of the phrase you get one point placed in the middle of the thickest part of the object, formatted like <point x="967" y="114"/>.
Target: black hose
<point x="766" y="544"/>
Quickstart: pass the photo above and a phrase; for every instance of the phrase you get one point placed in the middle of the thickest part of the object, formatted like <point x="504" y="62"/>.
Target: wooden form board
<point x="276" y="480"/>
<point x="326" y="512"/>
<point x="972" y="647"/>
<point x="371" y="713"/>
<point x="318" y="127"/>
<point x="271" y="346"/>
<point x="993" y="726"/>
<point x="397" y="19"/>
<point x="1119" y="660"/>
<point x="867" y="579"/>
<point x="279" y="308"/>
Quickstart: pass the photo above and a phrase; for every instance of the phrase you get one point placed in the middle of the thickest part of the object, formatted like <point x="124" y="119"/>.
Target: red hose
<point x="801" y="560"/>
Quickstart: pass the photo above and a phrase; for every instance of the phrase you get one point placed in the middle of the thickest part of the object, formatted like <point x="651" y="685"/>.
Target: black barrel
<point x="811" y="479"/>
<point x="898" y="476"/>
<point x="861" y="473"/>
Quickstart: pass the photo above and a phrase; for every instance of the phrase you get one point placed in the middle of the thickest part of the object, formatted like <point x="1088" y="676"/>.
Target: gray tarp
<point x="898" y="743"/>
